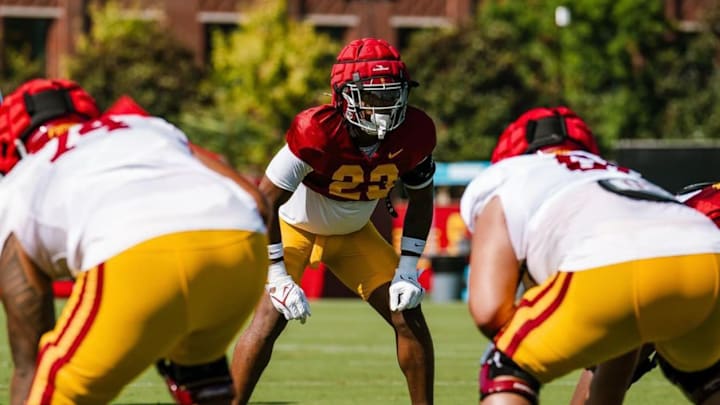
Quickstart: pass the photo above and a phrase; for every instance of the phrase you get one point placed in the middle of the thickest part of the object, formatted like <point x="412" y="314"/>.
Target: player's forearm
<point x="611" y="379"/>
<point x="419" y="214"/>
<point x="28" y="301"/>
<point x="275" y="197"/>
<point x="20" y="385"/>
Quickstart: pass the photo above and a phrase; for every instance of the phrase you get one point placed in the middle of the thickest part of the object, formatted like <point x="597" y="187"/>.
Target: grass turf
<point x="345" y="354"/>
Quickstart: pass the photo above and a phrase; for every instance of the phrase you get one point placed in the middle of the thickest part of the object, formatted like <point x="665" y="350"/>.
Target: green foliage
<point x="18" y="67"/>
<point x="628" y="71"/>
<point x="610" y="66"/>
<point x="140" y="58"/>
<point x="691" y="86"/>
<point x="620" y="64"/>
<point x="261" y="76"/>
<point x="475" y="79"/>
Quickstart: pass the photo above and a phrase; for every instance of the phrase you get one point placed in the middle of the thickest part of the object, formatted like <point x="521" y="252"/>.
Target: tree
<point x="262" y="74"/>
<point x="18" y="67"/>
<point x="690" y="84"/>
<point x="620" y="64"/>
<point x="612" y="58"/>
<point x="140" y="58"/>
<point x="477" y="78"/>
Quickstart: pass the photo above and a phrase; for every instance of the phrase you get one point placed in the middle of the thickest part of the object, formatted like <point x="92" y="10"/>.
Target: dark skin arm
<point x="29" y="307"/>
<point x="276" y="197"/>
<point x="419" y="214"/>
<point x="494" y="271"/>
<point x="610" y="380"/>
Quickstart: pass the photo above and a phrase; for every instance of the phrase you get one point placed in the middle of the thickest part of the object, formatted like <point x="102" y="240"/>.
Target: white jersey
<point x="561" y="218"/>
<point x="111" y="184"/>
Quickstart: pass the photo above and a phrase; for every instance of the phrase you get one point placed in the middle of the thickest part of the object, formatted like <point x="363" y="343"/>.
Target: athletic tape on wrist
<point x="408" y="264"/>
<point x="275" y="271"/>
<point x="412" y="246"/>
<point x="275" y="251"/>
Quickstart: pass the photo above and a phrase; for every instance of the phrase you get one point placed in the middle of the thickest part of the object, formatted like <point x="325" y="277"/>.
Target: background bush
<point x="625" y="68"/>
<point x="125" y="55"/>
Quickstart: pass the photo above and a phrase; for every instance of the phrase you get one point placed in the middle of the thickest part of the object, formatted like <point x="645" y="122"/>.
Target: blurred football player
<point x="705" y="197"/>
<point x="339" y="160"/>
<point x="167" y="251"/>
<point x="619" y="262"/>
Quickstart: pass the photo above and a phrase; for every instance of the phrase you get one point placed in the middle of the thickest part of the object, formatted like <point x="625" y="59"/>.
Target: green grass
<point x="345" y="354"/>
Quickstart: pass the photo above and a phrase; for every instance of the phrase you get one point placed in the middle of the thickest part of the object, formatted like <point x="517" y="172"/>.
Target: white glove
<point x="287" y="297"/>
<point x="405" y="290"/>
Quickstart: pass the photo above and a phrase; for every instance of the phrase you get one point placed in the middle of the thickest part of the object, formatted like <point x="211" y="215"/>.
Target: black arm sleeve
<point x="420" y="174"/>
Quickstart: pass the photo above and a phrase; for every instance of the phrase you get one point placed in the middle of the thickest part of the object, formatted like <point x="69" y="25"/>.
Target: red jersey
<point x="319" y="136"/>
<point x="707" y="201"/>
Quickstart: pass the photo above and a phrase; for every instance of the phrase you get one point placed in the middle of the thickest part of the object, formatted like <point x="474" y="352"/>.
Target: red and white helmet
<point x="541" y="128"/>
<point x="370" y="85"/>
<point x="33" y="104"/>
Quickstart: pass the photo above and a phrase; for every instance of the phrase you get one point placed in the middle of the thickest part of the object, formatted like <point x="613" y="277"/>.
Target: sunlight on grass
<point x="345" y="354"/>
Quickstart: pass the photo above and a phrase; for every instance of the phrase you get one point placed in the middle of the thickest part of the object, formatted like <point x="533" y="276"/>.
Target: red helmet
<point x="704" y="197"/>
<point x="539" y="128"/>
<point x="33" y="104"/>
<point x="370" y="85"/>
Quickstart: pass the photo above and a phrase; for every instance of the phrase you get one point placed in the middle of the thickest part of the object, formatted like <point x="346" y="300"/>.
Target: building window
<point x="23" y="50"/>
<point x="28" y="34"/>
<point x="336" y="33"/>
<point x="404" y="35"/>
<point x="210" y="30"/>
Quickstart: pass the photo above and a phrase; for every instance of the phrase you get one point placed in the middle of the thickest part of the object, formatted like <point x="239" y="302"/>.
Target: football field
<point x="345" y="354"/>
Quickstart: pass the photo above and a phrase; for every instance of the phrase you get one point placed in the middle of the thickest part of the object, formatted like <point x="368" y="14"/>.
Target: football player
<point x="705" y="197"/>
<point x="339" y="160"/>
<point x="589" y="232"/>
<point x="167" y="250"/>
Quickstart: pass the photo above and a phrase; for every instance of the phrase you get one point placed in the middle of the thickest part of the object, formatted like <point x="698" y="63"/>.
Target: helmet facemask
<point x="370" y="86"/>
<point x="376" y="105"/>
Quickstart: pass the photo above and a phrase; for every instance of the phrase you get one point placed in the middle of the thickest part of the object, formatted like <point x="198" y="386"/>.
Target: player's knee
<point x="198" y="384"/>
<point x="499" y="374"/>
<point x="698" y="386"/>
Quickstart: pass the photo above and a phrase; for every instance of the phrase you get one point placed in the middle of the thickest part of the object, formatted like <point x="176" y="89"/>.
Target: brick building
<point x="51" y="27"/>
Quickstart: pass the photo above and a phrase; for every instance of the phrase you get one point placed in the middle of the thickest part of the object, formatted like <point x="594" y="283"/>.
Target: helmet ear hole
<point x="545" y="132"/>
<point x="542" y="127"/>
<point x="45" y="106"/>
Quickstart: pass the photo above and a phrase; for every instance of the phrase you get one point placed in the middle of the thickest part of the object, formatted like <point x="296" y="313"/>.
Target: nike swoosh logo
<point x="284" y="296"/>
<point x="393" y="154"/>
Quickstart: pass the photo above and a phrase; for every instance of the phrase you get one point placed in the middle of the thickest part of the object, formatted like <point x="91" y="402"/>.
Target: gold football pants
<point x="181" y="296"/>
<point x="579" y="319"/>
<point x="361" y="260"/>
